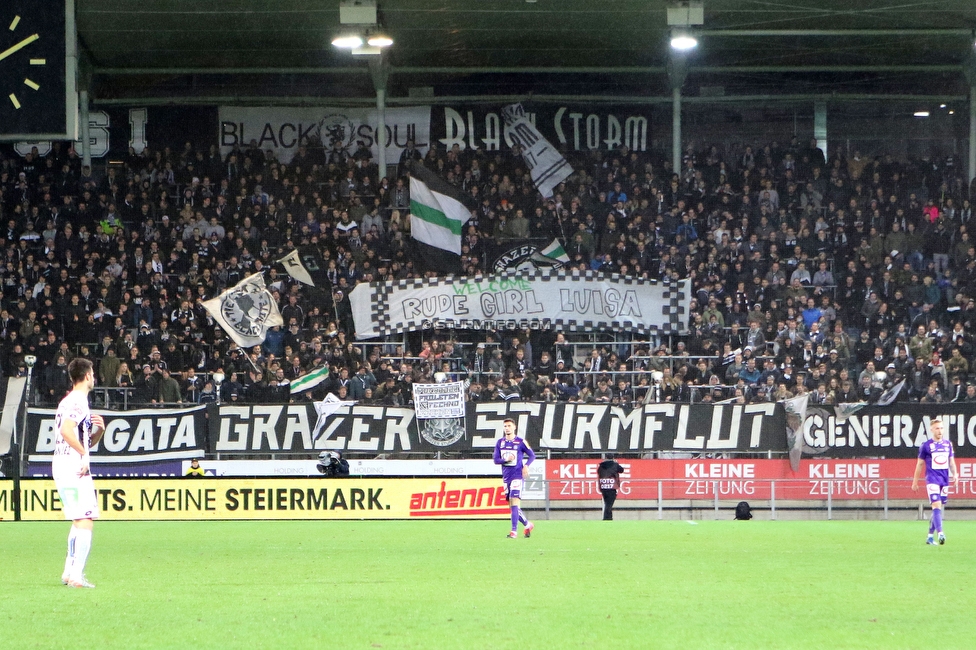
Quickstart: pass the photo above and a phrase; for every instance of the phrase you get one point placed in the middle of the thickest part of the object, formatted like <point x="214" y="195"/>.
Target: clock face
<point x="32" y="68"/>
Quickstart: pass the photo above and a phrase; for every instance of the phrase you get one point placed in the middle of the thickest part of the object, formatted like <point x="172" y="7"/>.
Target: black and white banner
<point x="282" y="129"/>
<point x="546" y="165"/>
<point x="543" y="299"/>
<point x="895" y="431"/>
<point x="577" y="127"/>
<point x="155" y="436"/>
<point x="444" y="400"/>
<point x="267" y="428"/>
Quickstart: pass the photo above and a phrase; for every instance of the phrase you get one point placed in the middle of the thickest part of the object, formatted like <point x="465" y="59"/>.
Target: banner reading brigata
<point x="542" y="299"/>
<point x="268" y="428"/>
<point x="283" y="129"/>
<point x="228" y="498"/>
<point x="155" y="436"/>
<point x="569" y="128"/>
<point x="895" y="431"/>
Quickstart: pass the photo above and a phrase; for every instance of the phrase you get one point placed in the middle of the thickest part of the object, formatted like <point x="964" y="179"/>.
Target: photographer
<point x="332" y="465"/>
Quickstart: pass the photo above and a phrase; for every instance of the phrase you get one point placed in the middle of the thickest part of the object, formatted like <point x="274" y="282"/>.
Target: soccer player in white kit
<point x="76" y="431"/>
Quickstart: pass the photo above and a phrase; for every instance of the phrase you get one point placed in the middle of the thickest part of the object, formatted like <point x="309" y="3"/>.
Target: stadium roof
<point x="248" y="48"/>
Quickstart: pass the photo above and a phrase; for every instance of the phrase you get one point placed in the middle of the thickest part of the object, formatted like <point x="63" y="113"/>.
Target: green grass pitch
<point x="443" y="584"/>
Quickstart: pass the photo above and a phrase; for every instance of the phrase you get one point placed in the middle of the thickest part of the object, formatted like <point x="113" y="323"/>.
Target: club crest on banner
<point x="442" y="432"/>
<point x="525" y="257"/>
<point x="336" y="128"/>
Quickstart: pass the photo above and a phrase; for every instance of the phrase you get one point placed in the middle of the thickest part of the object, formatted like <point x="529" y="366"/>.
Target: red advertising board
<point x="751" y="479"/>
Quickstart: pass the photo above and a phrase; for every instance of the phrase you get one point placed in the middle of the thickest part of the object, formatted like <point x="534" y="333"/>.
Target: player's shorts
<point x="937" y="492"/>
<point x="78" y="497"/>
<point x="513" y="489"/>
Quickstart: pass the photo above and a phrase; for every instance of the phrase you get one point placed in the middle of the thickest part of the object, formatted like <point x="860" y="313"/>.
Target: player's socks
<point x="70" y="557"/>
<point x="937" y="519"/>
<point x="515" y="518"/>
<point x="522" y="518"/>
<point x="83" y="540"/>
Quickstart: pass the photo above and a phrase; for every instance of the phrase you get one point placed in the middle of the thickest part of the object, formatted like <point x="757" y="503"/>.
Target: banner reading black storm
<point x="569" y="128"/>
<point x="542" y="299"/>
<point x="153" y="440"/>
<point x="263" y="429"/>
<point x="895" y="431"/>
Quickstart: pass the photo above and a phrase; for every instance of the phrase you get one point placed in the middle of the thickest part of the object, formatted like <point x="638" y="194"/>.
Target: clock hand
<point x="15" y="48"/>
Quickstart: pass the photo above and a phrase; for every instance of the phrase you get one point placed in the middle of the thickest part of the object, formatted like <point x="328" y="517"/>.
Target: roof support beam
<point x="642" y="70"/>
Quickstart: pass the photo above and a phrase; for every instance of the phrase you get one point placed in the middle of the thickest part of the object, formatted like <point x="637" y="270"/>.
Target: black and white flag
<point x="294" y="267"/>
<point x="545" y="163"/>
<point x="245" y="311"/>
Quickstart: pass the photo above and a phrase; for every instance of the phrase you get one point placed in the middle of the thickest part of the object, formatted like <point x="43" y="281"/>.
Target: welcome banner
<point x="542" y="299"/>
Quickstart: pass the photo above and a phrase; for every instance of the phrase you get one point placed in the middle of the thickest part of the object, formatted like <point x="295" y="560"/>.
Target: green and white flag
<point x="555" y="251"/>
<point x="310" y="380"/>
<point x="437" y="216"/>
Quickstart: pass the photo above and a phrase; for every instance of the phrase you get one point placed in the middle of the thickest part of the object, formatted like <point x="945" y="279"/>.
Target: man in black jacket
<point x="608" y="475"/>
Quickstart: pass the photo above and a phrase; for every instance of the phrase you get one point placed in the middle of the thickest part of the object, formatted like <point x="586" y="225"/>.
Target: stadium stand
<point x="836" y="276"/>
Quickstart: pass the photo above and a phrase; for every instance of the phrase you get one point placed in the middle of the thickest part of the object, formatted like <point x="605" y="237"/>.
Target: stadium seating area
<point x="837" y="276"/>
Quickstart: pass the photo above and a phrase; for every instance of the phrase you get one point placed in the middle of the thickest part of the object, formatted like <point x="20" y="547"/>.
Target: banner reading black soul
<point x="266" y="428"/>
<point x="895" y="431"/>
<point x="132" y="440"/>
<point x="576" y="127"/>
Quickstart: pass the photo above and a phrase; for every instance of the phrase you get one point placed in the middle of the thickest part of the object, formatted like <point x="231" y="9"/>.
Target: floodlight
<point x="348" y="41"/>
<point x="379" y="40"/>
<point x="683" y="41"/>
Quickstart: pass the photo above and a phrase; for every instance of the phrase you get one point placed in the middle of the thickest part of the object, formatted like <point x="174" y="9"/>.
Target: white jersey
<point x="67" y="461"/>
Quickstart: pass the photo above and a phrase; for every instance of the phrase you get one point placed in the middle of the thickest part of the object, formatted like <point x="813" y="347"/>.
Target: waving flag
<point x="245" y="311"/>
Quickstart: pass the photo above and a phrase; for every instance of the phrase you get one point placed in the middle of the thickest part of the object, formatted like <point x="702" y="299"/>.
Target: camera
<point x="332" y="465"/>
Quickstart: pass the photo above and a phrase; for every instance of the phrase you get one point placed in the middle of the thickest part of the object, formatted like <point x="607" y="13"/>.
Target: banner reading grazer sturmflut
<point x="154" y="436"/>
<point x="282" y="129"/>
<point x="565" y="427"/>
<point x="542" y="299"/>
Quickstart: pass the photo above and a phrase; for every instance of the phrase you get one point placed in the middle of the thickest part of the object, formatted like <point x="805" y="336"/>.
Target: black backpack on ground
<point x="743" y="511"/>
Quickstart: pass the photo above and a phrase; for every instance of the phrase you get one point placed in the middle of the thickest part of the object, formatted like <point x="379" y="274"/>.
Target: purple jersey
<point x="937" y="457"/>
<point x="512" y="469"/>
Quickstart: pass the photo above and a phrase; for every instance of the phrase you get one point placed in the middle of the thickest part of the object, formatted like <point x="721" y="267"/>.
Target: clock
<point x="33" y="86"/>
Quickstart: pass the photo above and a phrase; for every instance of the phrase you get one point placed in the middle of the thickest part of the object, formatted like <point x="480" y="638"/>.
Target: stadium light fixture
<point x="379" y="39"/>
<point x="921" y="113"/>
<point x="683" y="41"/>
<point x="348" y="41"/>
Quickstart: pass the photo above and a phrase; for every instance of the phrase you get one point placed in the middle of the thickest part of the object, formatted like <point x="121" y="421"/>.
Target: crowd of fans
<point x="836" y="276"/>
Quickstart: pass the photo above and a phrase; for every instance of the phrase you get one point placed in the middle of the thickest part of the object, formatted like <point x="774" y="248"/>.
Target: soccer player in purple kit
<point x="938" y="461"/>
<point x="509" y="453"/>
